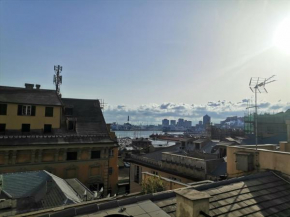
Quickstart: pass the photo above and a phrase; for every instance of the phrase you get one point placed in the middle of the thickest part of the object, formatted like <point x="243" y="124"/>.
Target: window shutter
<point x="19" y="110"/>
<point x="33" y="110"/>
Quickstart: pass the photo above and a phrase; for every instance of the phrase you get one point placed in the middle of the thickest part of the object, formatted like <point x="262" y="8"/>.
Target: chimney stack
<point x="29" y="86"/>
<point x="191" y="203"/>
<point x="37" y="86"/>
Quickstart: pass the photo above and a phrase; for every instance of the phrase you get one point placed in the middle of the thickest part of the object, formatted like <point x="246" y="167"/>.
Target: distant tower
<point x="206" y="120"/>
<point x="57" y="78"/>
<point x="128" y="119"/>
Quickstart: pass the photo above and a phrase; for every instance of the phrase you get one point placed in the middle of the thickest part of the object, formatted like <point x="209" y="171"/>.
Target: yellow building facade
<point x="67" y="137"/>
<point x="14" y="120"/>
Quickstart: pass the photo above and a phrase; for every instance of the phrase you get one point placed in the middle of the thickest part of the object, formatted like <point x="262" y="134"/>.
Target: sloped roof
<point x="263" y="194"/>
<point x="90" y="119"/>
<point x="157" y="155"/>
<point x="80" y="188"/>
<point x="56" y="191"/>
<point x="22" y="184"/>
<point x="29" y="96"/>
<point x="200" y="140"/>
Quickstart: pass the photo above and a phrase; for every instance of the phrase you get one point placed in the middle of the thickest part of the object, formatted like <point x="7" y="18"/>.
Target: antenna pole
<point x="257" y="84"/>
<point x="57" y="78"/>
<point x="256" y="118"/>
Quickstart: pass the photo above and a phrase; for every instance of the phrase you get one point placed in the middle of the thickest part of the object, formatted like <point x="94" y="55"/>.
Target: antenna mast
<point x="258" y="84"/>
<point x="57" y="78"/>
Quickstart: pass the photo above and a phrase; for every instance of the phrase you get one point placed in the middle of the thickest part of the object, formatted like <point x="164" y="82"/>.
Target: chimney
<point x="37" y="86"/>
<point x="191" y="203"/>
<point x="284" y="146"/>
<point x="29" y="86"/>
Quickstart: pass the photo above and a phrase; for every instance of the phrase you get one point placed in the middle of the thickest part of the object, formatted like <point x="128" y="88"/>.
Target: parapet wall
<point x="267" y="160"/>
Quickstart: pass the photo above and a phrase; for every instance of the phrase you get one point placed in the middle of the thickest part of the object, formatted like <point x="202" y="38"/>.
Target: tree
<point x="152" y="184"/>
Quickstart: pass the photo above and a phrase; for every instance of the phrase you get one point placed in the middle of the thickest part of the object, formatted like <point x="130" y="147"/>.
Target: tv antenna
<point x="57" y="78"/>
<point x="258" y="84"/>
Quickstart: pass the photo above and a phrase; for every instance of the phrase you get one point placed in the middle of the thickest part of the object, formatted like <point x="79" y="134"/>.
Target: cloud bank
<point x="154" y="113"/>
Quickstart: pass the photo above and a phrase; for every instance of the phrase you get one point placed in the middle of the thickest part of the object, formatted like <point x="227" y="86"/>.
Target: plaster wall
<point x="136" y="187"/>
<point x="267" y="159"/>
<point x="87" y="170"/>
<point x="14" y="122"/>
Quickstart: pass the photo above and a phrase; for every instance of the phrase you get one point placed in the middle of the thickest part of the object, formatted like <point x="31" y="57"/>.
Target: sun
<point x="281" y="37"/>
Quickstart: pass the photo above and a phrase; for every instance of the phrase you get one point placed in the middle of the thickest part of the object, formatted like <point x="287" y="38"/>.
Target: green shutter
<point x="33" y="108"/>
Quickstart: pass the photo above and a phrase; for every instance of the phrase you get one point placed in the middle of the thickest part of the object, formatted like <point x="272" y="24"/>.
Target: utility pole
<point x="57" y="78"/>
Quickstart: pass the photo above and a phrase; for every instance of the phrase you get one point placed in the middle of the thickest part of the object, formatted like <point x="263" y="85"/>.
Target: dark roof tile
<point x="29" y="96"/>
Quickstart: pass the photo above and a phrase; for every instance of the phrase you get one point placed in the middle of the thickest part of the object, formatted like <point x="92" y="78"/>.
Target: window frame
<point x="110" y="171"/>
<point x="67" y="155"/>
<point x="44" y="131"/>
<point x="48" y="112"/>
<point x="26" y="110"/>
<point x="25" y="130"/>
<point x="94" y="152"/>
<point x="111" y="152"/>
<point x="3" y="108"/>
<point x="3" y="131"/>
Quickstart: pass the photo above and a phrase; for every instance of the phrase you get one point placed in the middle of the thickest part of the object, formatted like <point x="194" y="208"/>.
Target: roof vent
<point x="29" y="86"/>
<point x="37" y="86"/>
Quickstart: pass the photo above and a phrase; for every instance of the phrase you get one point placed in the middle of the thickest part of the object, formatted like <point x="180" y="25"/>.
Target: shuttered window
<point x="3" y="109"/>
<point x="48" y="111"/>
<point x="26" y="110"/>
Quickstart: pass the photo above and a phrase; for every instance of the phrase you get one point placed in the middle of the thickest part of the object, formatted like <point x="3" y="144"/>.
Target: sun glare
<point x="282" y="36"/>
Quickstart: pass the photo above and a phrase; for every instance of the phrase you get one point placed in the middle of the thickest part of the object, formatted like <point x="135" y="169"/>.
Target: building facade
<point x="206" y="120"/>
<point x="67" y="137"/>
<point x="165" y="122"/>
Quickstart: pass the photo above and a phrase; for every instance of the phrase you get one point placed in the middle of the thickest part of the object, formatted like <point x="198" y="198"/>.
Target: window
<point x="47" y="128"/>
<point x="197" y="146"/>
<point x="111" y="153"/>
<point x="68" y="111"/>
<point x="244" y="161"/>
<point x="155" y="173"/>
<point x="70" y="125"/>
<point x="2" y="128"/>
<point x="136" y="174"/>
<point x="71" y="155"/>
<point x="48" y="111"/>
<point x="25" y="128"/>
<point x="110" y="170"/>
<point x="95" y="154"/>
<point x="3" y="109"/>
<point x="27" y="110"/>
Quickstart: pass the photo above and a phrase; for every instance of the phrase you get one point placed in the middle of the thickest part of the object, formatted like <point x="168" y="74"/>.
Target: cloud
<point x="154" y="113"/>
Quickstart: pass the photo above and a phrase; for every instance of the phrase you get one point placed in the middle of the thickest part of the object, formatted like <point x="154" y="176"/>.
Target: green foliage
<point x="152" y="184"/>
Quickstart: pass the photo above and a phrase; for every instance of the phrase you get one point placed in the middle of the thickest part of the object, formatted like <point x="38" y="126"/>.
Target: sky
<point x="149" y="59"/>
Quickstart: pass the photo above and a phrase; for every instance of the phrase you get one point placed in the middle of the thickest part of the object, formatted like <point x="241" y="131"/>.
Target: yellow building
<point x="67" y="137"/>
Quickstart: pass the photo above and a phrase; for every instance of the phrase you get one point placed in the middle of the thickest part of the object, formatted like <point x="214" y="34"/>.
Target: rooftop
<point x="29" y="96"/>
<point x="261" y="194"/>
<point x="39" y="190"/>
